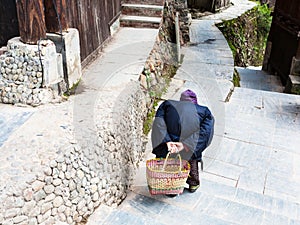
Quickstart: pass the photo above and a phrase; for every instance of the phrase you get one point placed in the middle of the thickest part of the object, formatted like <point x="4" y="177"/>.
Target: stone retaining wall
<point x="162" y="61"/>
<point x="83" y="175"/>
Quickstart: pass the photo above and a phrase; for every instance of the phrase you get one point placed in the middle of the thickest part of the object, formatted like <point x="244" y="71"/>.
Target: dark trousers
<point x="193" y="178"/>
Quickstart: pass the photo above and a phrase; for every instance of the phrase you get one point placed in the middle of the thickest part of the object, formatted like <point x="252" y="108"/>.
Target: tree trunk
<point x="31" y="20"/>
<point x="55" y="16"/>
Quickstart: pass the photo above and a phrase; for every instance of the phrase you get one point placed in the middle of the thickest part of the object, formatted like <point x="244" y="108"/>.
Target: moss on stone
<point x="247" y="35"/>
<point x="168" y="72"/>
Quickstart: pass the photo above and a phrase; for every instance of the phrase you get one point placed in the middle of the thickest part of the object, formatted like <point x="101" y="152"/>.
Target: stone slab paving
<point x="32" y="135"/>
<point x="255" y="78"/>
<point x="10" y="120"/>
<point x="267" y="146"/>
<point x="123" y="58"/>
<point x="252" y="172"/>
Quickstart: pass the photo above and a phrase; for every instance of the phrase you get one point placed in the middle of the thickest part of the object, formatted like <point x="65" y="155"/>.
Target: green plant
<point x="149" y="119"/>
<point x="236" y="78"/>
<point x="155" y="94"/>
<point x="264" y="21"/>
<point x="247" y="35"/>
<point x="72" y="90"/>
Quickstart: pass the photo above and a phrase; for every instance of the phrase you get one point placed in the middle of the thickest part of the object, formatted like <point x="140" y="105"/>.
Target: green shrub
<point x="247" y="35"/>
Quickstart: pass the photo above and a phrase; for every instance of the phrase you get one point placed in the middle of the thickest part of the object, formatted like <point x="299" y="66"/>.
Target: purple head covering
<point x="189" y="95"/>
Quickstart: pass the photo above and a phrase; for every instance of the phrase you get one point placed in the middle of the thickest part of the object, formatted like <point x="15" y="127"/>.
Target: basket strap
<point x="166" y="160"/>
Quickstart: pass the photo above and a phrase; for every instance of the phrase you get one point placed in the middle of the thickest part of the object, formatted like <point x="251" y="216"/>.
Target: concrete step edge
<point x="144" y="2"/>
<point x="265" y="93"/>
<point x="152" y="7"/>
<point x="145" y="19"/>
<point x="257" y="72"/>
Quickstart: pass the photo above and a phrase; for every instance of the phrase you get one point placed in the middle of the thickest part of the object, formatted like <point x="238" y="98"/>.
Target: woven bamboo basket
<point x="167" y="176"/>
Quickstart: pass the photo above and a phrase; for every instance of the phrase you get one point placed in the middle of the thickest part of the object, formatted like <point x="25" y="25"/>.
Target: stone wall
<point x="42" y="73"/>
<point x="162" y="61"/>
<point x="22" y="73"/>
<point x="81" y="176"/>
<point x="247" y="36"/>
<point x="208" y="5"/>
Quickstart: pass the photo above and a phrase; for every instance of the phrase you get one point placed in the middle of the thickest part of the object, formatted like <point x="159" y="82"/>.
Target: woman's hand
<point x="172" y="147"/>
<point x="179" y="146"/>
<point x="175" y="147"/>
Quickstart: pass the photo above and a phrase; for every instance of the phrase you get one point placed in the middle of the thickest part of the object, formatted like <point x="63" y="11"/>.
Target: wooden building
<point x="283" y="47"/>
<point x="92" y="18"/>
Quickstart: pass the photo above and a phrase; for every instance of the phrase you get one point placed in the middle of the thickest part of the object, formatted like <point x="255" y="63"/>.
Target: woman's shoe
<point x="193" y="188"/>
<point x="171" y="195"/>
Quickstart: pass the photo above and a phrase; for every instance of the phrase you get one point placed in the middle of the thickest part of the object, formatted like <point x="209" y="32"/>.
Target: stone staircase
<point x="214" y="203"/>
<point x="142" y="13"/>
<point x="255" y="78"/>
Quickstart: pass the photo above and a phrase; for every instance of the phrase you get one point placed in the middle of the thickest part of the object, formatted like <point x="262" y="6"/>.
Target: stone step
<point x="293" y="84"/>
<point x="255" y="78"/>
<point x="145" y="2"/>
<point x="140" y="21"/>
<point x="218" y="193"/>
<point x="270" y="205"/>
<point x="213" y="203"/>
<point x="142" y="10"/>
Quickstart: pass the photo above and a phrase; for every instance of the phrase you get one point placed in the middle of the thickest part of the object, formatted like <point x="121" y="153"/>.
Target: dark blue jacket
<point x="182" y="121"/>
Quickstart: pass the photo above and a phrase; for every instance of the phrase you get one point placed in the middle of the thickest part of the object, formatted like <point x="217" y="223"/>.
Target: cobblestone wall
<point x="21" y="73"/>
<point x="83" y="175"/>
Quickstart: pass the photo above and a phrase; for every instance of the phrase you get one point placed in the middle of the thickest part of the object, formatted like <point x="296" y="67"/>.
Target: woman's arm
<point x="199" y="140"/>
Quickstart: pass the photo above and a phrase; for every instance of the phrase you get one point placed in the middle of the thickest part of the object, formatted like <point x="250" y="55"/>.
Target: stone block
<point x="68" y="44"/>
<point x="252" y="180"/>
<point x="295" y="67"/>
<point x="293" y="85"/>
<point x="52" y="66"/>
<point x="114" y="27"/>
<point x="272" y="218"/>
<point x="235" y="212"/>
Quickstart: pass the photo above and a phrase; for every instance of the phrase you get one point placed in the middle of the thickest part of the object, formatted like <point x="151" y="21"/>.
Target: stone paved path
<point x="251" y="172"/>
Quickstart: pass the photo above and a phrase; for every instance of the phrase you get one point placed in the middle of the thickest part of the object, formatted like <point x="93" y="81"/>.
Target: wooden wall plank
<point x="55" y="16"/>
<point x="9" y="26"/>
<point x="92" y="18"/>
